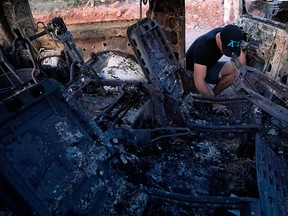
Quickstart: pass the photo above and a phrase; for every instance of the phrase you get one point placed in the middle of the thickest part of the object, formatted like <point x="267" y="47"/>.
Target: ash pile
<point x="119" y="135"/>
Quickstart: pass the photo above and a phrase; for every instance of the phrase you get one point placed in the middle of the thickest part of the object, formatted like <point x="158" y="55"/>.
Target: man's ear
<point x="218" y="36"/>
<point x="218" y="39"/>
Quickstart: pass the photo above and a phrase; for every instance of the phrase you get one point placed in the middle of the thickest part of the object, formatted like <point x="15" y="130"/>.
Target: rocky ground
<point x="200" y="14"/>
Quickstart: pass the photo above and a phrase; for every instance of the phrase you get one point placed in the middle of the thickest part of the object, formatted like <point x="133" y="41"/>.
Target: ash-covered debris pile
<point x="106" y="139"/>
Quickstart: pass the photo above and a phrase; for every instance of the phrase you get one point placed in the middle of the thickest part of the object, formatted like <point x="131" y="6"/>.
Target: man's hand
<point x="222" y="109"/>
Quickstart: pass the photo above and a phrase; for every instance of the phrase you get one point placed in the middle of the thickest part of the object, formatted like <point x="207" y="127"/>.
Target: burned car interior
<point x="112" y="126"/>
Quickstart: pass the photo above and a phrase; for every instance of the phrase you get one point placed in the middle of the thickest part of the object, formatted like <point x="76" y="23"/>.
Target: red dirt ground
<point x="200" y="14"/>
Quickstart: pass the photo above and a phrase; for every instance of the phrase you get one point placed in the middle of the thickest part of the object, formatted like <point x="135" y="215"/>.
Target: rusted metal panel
<point x="5" y="32"/>
<point x="16" y="16"/>
<point x="102" y="36"/>
<point x="96" y="37"/>
<point x="171" y="16"/>
<point x="270" y="45"/>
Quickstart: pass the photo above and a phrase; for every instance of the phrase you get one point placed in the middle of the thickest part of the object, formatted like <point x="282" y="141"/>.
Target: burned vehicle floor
<point x="55" y="157"/>
<point x="116" y="136"/>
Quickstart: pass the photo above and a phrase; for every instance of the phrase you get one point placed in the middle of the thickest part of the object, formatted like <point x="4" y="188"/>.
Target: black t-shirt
<point x="204" y="50"/>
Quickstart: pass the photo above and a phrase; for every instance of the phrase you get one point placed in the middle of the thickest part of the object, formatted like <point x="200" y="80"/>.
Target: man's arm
<point x="199" y="79"/>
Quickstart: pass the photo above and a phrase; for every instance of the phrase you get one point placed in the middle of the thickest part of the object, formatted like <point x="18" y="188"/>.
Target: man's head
<point x="231" y="37"/>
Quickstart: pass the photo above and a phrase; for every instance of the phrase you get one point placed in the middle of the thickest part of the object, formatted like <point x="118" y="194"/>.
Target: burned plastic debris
<point x="261" y="90"/>
<point x="271" y="178"/>
<point x="155" y="56"/>
<point x="52" y="155"/>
